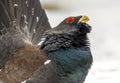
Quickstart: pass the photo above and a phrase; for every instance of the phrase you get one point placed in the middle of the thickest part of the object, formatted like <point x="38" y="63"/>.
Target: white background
<point x="104" y="37"/>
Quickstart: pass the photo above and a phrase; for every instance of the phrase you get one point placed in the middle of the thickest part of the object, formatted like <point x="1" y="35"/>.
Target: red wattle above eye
<point x="70" y="19"/>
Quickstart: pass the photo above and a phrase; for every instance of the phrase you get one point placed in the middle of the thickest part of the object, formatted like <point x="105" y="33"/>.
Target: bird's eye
<point x="70" y="20"/>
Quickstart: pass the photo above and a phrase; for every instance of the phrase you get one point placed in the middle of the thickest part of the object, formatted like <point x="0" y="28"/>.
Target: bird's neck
<point x="70" y="64"/>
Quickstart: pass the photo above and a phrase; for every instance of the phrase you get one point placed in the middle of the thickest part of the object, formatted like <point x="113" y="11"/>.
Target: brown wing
<point x="23" y="64"/>
<point x="22" y="22"/>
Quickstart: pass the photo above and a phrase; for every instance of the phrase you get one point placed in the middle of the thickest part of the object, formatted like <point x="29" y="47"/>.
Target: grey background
<point x="104" y="37"/>
<point x="105" y="21"/>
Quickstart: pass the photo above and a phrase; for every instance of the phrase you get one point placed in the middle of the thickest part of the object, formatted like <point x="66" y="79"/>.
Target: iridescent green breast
<point x="72" y="63"/>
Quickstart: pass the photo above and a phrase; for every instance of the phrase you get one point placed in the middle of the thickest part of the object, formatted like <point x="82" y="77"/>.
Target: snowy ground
<point x="105" y="22"/>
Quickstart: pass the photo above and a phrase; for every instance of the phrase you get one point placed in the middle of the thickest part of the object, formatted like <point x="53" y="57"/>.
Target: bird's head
<point x="72" y="24"/>
<point x="72" y="31"/>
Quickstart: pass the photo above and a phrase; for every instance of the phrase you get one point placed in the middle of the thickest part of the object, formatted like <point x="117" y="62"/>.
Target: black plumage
<point x="67" y="47"/>
<point x="22" y="22"/>
<point x="64" y="55"/>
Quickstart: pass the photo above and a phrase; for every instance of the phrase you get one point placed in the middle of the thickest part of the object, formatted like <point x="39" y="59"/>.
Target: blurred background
<point x="105" y="21"/>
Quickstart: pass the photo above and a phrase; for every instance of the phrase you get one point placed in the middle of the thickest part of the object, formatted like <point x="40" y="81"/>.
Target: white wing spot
<point x="47" y="62"/>
<point x="15" y="5"/>
<point x="32" y="11"/>
<point x="42" y="40"/>
<point x="37" y="19"/>
<point x="0" y="70"/>
<point x="23" y="81"/>
<point x="25" y="17"/>
<point x="34" y="31"/>
<point x="26" y="3"/>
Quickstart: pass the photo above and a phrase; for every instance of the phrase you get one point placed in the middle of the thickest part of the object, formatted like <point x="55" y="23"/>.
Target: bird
<point x="22" y="23"/>
<point x="68" y="49"/>
<point x="33" y="52"/>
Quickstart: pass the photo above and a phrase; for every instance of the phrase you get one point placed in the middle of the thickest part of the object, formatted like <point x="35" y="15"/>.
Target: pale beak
<point x="83" y="19"/>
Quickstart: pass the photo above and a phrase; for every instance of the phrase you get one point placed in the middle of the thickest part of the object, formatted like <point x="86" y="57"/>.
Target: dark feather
<point x="68" y="48"/>
<point x="25" y="15"/>
<point x="22" y="22"/>
<point x="23" y="64"/>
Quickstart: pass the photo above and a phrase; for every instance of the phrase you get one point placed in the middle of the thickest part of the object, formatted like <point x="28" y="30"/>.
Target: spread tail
<point x="21" y="22"/>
